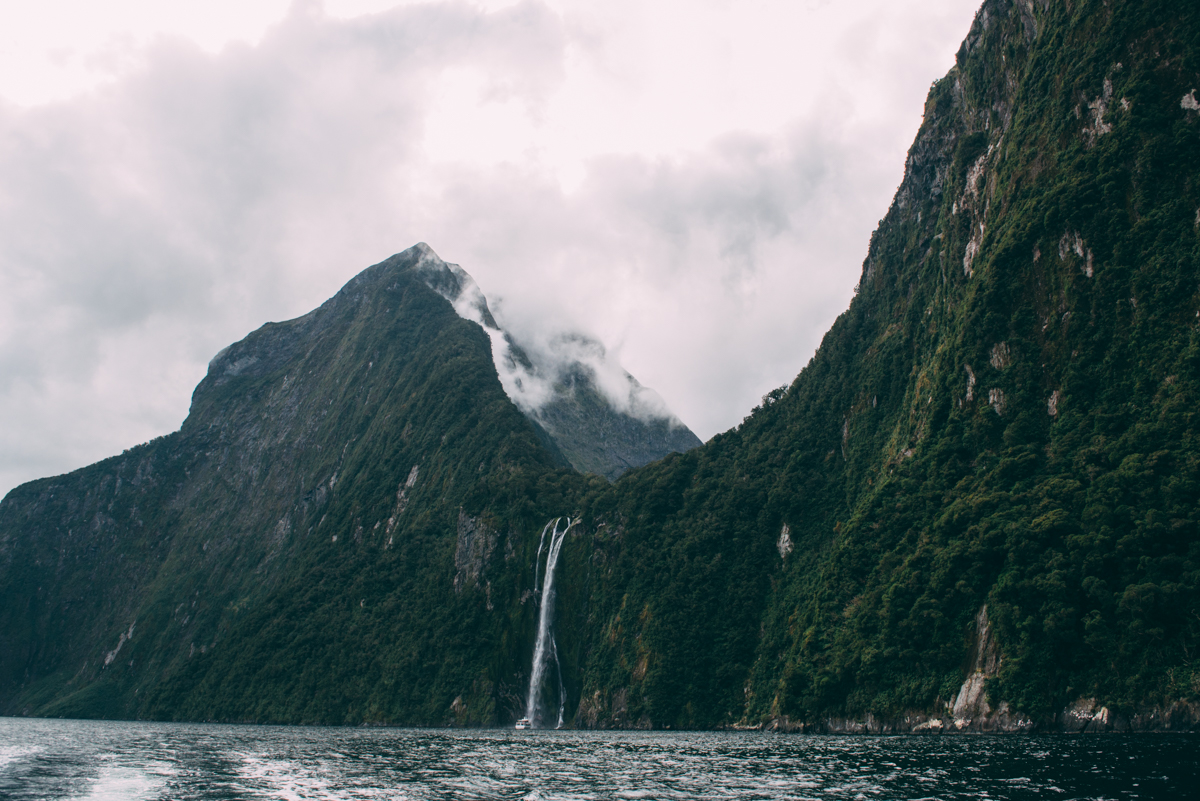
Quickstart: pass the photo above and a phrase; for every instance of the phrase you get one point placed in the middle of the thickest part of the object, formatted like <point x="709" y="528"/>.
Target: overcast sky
<point x="694" y="183"/>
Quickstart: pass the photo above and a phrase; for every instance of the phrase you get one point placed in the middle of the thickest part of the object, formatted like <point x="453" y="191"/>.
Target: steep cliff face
<point x="976" y="507"/>
<point x="1005" y="416"/>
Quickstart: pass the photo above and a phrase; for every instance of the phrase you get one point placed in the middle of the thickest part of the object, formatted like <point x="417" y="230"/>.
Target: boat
<point x="524" y="723"/>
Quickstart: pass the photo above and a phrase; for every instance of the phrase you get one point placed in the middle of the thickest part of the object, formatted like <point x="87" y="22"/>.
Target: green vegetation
<point x="289" y="555"/>
<point x="1005" y="415"/>
<point x="1021" y="433"/>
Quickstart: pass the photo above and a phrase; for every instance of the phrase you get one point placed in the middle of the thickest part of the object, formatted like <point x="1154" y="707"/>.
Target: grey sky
<point x="692" y="183"/>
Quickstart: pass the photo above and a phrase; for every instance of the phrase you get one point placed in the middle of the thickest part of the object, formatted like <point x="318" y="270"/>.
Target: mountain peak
<point x="601" y="417"/>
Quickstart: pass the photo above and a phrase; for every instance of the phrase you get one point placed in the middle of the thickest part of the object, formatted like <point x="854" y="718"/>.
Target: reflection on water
<point x="56" y="759"/>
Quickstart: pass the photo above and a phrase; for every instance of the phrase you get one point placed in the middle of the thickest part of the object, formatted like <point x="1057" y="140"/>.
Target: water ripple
<point x="96" y="760"/>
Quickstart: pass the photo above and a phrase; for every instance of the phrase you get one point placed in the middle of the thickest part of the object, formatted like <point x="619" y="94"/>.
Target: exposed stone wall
<point x="473" y="551"/>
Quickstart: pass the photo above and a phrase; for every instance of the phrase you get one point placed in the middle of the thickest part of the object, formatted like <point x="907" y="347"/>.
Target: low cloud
<point x="533" y="370"/>
<point x="149" y="223"/>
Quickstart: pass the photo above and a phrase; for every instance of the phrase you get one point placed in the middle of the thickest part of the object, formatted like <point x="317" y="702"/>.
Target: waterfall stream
<point x="545" y="647"/>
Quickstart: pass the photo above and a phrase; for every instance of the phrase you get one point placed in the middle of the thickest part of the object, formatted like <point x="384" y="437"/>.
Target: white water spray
<point x="537" y="562"/>
<point x="545" y="647"/>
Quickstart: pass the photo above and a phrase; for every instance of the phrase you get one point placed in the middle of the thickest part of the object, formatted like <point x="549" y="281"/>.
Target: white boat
<point x="524" y="723"/>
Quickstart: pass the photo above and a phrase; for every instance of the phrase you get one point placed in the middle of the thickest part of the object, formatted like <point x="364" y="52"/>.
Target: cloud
<point x="716" y="274"/>
<point x="532" y="371"/>
<point x="654" y="176"/>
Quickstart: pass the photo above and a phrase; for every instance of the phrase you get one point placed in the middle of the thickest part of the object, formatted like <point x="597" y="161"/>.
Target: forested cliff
<point x="1005" y="416"/>
<point x="976" y="507"/>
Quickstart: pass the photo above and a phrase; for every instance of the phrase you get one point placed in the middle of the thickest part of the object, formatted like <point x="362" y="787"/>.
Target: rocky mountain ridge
<point x="974" y="510"/>
<point x="596" y="431"/>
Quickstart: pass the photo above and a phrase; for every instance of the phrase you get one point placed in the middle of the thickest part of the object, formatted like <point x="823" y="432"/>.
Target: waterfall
<point x="537" y="562"/>
<point x="546" y="648"/>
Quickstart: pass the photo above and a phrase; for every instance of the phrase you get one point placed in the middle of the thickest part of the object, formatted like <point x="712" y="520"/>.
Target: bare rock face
<point x="971" y="704"/>
<point x="1088" y="716"/>
<point x="608" y="711"/>
<point x="971" y="710"/>
<point x="473" y="550"/>
<point x="600" y="439"/>
<point x="1179" y="716"/>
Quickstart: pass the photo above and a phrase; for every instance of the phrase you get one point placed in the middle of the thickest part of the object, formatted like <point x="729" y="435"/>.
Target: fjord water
<point x="56" y="759"/>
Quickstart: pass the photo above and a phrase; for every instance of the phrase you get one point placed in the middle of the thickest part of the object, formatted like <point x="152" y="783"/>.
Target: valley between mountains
<point x="977" y="508"/>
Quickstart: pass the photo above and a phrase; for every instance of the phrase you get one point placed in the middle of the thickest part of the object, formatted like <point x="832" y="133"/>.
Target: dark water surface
<point x="66" y="759"/>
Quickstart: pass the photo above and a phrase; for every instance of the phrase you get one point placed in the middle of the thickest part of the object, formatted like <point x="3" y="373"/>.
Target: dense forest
<point x="1006" y="415"/>
<point x="989" y="472"/>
